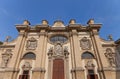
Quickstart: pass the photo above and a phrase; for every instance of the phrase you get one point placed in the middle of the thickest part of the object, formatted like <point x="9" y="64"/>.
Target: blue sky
<point x="14" y="12"/>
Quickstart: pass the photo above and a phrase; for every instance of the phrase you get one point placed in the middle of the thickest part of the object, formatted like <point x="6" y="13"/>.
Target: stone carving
<point x="31" y="43"/>
<point x="65" y="49"/>
<point x="85" y="43"/>
<point x="26" y="66"/>
<point x="110" y="56"/>
<point x="58" y="49"/>
<point x="89" y="64"/>
<point x="50" y="50"/>
<point x="66" y="53"/>
<point x="6" y="57"/>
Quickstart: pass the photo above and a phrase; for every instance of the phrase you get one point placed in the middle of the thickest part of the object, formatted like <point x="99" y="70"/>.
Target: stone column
<point x="75" y="53"/>
<point x="17" y="53"/>
<point x="98" y="50"/>
<point x="40" y="56"/>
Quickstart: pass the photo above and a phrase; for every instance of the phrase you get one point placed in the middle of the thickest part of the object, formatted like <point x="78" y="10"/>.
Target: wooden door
<point x="58" y="69"/>
<point x="93" y="76"/>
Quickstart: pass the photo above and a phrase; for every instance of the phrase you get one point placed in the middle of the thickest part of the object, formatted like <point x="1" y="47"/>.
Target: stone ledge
<point x="39" y="70"/>
<point x="9" y="70"/>
<point x="77" y="69"/>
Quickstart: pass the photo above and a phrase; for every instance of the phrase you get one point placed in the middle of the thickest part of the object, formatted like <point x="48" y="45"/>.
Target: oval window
<point x="61" y="39"/>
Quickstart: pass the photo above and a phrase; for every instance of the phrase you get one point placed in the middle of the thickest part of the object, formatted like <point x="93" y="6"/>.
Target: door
<point x="58" y="69"/>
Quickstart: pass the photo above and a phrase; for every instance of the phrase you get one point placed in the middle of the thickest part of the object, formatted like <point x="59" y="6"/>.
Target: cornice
<point x="108" y="45"/>
<point x="22" y="27"/>
<point x="94" y="26"/>
<point x="6" y="46"/>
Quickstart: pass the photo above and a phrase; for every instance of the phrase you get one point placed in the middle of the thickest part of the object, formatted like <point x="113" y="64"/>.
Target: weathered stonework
<point x="76" y="51"/>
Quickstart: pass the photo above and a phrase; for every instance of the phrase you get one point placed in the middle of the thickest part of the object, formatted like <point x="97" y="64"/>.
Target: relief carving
<point x="58" y="49"/>
<point x="110" y="56"/>
<point x="27" y="66"/>
<point x="31" y="44"/>
<point x="66" y="52"/>
<point x="89" y="64"/>
<point x="6" y="57"/>
<point x="85" y="43"/>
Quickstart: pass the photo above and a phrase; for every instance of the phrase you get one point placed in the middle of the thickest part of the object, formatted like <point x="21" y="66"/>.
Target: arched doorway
<point x="58" y="69"/>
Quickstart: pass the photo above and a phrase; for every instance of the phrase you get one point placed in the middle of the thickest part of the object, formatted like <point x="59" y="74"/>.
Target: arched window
<point x="59" y="38"/>
<point x="87" y="55"/>
<point x="29" y="55"/>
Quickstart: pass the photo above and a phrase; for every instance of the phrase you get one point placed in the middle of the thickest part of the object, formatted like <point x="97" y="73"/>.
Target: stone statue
<point x="85" y="43"/>
<point x="110" y="37"/>
<point x="7" y="38"/>
<point x="6" y="57"/>
<point x="110" y="56"/>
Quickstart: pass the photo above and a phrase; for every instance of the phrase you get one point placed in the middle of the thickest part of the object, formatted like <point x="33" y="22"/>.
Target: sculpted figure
<point x="58" y="49"/>
<point x="110" y="56"/>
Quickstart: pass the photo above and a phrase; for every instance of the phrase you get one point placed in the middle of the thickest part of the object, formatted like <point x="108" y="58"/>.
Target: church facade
<point x="73" y="51"/>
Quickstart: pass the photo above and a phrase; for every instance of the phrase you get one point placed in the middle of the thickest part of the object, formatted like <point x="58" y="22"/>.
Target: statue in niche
<point x="110" y="56"/>
<point x="31" y="43"/>
<point x="6" y="57"/>
<point x="58" y="49"/>
<point x="85" y="43"/>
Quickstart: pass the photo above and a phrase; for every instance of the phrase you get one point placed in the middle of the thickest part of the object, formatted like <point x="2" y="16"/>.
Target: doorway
<point x="58" y="69"/>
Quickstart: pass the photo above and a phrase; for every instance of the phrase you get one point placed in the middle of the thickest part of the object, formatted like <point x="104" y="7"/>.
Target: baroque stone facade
<point x="73" y="51"/>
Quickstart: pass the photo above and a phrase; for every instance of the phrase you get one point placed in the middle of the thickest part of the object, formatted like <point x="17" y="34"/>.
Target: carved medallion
<point x="110" y="56"/>
<point x="31" y="43"/>
<point x="85" y="43"/>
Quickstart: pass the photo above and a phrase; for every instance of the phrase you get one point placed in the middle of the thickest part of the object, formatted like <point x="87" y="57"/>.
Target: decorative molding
<point x="39" y="70"/>
<point x="9" y="70"/>
<point x="77" y="69"/>
<point x="7" y="46"/>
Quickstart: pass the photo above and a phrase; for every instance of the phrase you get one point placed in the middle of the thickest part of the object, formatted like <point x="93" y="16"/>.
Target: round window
<point x="61" y="39"/>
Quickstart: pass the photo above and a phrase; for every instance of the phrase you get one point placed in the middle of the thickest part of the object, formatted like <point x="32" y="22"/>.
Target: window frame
<point x="88" y="57"/>
<point x="34" y="56"/>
